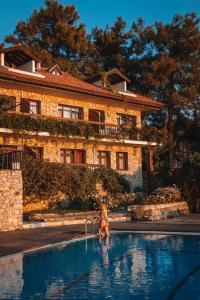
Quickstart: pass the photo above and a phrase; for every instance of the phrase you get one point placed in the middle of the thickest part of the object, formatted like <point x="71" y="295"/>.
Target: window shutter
<point x="81" y="114"/>
<point x="117" y="160"/>
<point x="25" y="106"/>
<point x="39" y="107"/>
<point x="126" y="160"/>
<point x="84" y="156"/>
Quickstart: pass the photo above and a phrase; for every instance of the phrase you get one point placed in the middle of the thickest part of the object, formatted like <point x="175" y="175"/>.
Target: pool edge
<point x="48" y="246"/>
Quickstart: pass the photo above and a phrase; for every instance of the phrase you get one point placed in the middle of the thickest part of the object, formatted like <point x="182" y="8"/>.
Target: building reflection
<point x="127" y="264"/>
<point x="11" y="276"/>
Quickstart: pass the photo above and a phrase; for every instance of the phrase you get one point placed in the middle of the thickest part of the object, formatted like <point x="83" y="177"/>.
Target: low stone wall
<point x="11" y="203"/>
<point x="33" y="220"/>
<point x="157" y="211"/>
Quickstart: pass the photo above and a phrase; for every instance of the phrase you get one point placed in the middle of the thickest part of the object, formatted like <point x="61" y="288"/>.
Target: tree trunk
<point x="171" y="139"/>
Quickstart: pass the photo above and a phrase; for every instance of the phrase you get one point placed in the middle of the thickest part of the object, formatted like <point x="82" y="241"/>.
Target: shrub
<point x="53" y="181"/>
<point x="160" y="196"/>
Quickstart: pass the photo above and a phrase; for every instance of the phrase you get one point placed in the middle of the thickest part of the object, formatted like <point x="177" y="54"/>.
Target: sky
<point x="100" y="12"/>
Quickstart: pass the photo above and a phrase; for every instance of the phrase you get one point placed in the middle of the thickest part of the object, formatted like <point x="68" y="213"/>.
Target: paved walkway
<point x="21" y="240"/>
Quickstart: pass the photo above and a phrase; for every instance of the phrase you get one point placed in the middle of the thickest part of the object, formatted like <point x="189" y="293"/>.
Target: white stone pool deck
<point x="27" y="239"/>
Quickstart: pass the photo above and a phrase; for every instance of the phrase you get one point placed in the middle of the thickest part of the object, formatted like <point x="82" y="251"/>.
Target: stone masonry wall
<point x="11" y="203"/>
<point x="49" y="107"/>
<point x="153" y="212"/>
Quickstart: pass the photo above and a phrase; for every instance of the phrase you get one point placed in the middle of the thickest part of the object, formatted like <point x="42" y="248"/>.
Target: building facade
<point x="53" y="97"/>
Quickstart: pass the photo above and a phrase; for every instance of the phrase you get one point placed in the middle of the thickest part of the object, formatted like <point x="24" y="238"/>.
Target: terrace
<point x="36" y="124"/>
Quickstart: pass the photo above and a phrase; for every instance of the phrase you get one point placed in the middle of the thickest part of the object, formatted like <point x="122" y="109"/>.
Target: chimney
<point x="2" y="62"/>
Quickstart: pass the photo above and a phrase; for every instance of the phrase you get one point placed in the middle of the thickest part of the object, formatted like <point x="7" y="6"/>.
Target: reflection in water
<point x="105" y="246"/>
<point x="126" y="266"/>
<point x="11" y="281"/>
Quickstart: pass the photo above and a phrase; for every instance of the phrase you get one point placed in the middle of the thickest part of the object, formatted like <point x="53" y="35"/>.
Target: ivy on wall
<point x="58" y="127"/>
<point x="51" y="181"/>
<point x="53" y="126"/>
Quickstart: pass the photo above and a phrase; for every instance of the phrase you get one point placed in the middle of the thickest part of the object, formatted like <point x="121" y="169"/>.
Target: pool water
<point x="128" y="266"/>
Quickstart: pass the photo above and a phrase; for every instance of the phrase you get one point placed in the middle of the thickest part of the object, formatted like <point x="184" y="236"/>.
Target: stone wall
<point x="11" y="203"/>
<point x="157" y="211"/>
<point x="49" y="104"/>
<point x="51" y="147"/>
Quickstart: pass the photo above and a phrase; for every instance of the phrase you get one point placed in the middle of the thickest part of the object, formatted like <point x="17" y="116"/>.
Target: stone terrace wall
<point x="156" y="212"/>
<point x="11" y="203"/>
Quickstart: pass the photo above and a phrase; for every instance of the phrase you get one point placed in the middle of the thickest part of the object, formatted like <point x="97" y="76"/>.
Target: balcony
<point x="32" y="124"/>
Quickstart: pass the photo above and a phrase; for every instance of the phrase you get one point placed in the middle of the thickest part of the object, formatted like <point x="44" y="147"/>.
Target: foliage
<point x="120" y="200"/>
<point x="112" y="181"/>
<point x="20" y="122"/>
<point x="159" y="196"/>
<point x="189" y="179"/>
<point x="111" y="45"/>
<point x="6" y="102"/>
<point x="55" y="34"/>
<point x="54" y="181"/>
<point x="164" y="63"/>
<point x="53" y="126"/>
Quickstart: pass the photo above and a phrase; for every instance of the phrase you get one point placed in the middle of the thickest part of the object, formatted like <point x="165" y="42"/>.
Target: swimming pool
<point x="128" y="266"/>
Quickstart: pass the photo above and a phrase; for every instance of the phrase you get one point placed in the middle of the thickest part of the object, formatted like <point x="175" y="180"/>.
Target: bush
<point x="160" y="196"/>
<point x="54" y="181"/>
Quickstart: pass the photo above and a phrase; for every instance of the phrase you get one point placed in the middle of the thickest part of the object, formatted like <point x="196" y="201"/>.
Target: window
<point x="7" y="103"/>
<point x="70" y="112"/>
<point x="30" y="106"/>
<point x="126" y="120"/>
<point x="104" y="158"/>
<point x="96" y="115"/>
<point x="35" y="152"/>
<point x="122" y="161"/>
<point x="69" y="156"/>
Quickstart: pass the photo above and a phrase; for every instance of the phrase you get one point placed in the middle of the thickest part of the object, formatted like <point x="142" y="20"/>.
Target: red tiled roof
<point x="69" y="82"/>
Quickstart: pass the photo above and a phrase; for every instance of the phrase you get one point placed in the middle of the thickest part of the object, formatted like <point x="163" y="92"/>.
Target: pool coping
<point x="73" y="240"/>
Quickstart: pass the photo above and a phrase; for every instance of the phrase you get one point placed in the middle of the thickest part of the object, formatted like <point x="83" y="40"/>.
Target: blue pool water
<point x="128" y="266"/>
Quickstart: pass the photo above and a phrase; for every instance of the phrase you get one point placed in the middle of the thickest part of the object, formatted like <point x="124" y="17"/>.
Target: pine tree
<point x="54" y="33"/>
<point x="165" y="63"/>
<point x="111" y="45"/>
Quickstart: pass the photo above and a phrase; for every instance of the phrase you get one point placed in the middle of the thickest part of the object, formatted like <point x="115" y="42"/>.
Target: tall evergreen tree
<point x="55" y="33"/>
<point x="165" y="63"/>
<point x="111" y="45"/>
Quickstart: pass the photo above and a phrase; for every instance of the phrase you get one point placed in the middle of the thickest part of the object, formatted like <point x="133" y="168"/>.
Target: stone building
<point x="112" y="114"/>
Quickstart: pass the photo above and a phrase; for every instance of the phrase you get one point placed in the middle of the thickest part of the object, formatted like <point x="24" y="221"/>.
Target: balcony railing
<point x="67" y="127"/>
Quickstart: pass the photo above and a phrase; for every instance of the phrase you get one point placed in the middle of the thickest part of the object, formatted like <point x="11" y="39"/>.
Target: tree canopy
<point x="55" y="33"/>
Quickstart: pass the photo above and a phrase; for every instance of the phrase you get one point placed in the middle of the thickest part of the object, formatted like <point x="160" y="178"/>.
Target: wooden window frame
<point x="107" y="156"/>
<point x="125" y="161"/>
<point x="72" y="155"/>
<point x="38" y="152"/>
<point x="127" y="121"/>
<point x="80" y="113"/>
<point x="25" y="106"/>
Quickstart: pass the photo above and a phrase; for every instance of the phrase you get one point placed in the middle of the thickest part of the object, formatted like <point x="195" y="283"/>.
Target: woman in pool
<point x="103" y="223"/>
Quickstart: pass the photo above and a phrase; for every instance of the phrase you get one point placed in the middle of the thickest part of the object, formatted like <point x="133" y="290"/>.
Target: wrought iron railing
<point x="10" y="159"/>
